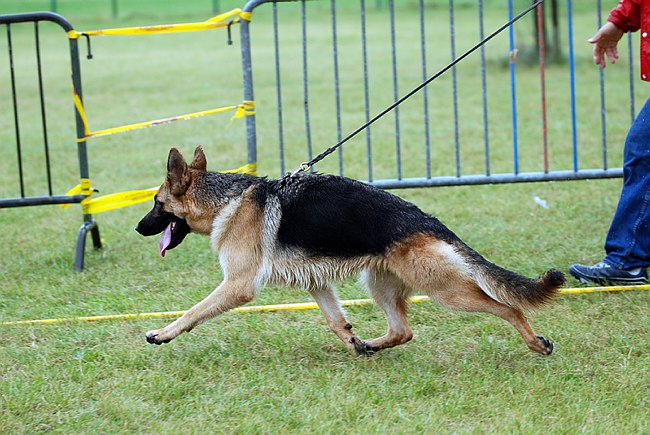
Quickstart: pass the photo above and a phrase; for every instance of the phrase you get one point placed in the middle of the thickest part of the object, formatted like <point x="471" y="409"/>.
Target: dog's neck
<point x="214" y="192"/>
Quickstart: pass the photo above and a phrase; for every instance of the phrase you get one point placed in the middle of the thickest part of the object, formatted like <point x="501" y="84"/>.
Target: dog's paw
<point x="545" y="346"/>
<point x="361" y="347"/>
<point x="153" y="338"/>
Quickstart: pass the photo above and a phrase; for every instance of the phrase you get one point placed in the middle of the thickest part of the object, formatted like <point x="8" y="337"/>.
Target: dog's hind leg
<point x="436" y="269"/>
<point x="329" y="304"/>
<point x="470" y="297"/>
<point x="517" y="319"/>
<point x="391" y="295"/>
<point x="230" y="294"/>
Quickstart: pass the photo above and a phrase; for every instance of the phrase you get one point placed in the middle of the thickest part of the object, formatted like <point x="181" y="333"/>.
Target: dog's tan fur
<point x="245" y="236"/>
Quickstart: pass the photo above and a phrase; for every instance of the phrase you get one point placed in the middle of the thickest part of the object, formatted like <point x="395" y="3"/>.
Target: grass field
<point x="285" y="372"/>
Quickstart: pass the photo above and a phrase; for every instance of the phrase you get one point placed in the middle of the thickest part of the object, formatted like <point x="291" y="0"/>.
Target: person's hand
<point x="605" y="41"/>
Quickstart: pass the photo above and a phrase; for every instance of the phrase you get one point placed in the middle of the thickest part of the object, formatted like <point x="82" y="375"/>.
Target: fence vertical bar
<point x="366" y="93"/>
<point x="12" y="76"/>
<point x="513" y="92"/>
<point x="247" y="76"/>
<point x="89" y="224"/>
<point x="572" y="84"/>
<point x="393" y="47"/>
<point x="601" y="80"/>
<point x="41" y="94"/>
<point x="541" y="47"/>
<point x="337" y="95"/>
<point x="486" y="134"/>
<point x="425" y="92"/>
<point x="454" y="85"/>
<point x="305" y="79"/>
<point x="278" y="86"/>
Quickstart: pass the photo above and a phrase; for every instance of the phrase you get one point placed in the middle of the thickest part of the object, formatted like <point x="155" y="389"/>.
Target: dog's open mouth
<point x="173" y="228"/>
<point x="173" y="235"/>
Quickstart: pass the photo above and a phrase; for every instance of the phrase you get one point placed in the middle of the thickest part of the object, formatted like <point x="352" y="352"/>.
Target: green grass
<point x="285" y="372"/>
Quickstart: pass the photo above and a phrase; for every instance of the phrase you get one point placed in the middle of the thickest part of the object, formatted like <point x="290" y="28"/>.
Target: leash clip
<point x="304" y="167"/>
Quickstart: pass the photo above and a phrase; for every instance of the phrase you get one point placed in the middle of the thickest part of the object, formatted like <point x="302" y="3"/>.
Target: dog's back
<point x="338" y="217"/>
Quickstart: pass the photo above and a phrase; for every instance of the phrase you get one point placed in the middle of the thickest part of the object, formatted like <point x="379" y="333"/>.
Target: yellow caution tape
<point x="241" y="109"/>
<point x="124" y="199"/>
<point x="83" y="188"/>
<point x="282" y="307"/>
<point x="80" y="109"/>
<point x="250" y="169"/>
<point x="614" y="288"/>
<point x="246" y="108"/>
<point x="118" y="200"/>
<point x="213" y="23"/>
<point x="74" y="191"/>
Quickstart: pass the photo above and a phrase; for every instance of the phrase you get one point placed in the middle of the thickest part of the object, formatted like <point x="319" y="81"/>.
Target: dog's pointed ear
<point x="199" y="162"/>
<point x="176" y="172"/>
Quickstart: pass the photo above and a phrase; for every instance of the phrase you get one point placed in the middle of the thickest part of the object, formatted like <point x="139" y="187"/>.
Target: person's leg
<point x="628" y="241"/>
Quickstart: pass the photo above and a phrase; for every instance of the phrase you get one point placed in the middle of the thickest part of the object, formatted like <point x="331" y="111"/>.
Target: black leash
<point x="305" y="166"/>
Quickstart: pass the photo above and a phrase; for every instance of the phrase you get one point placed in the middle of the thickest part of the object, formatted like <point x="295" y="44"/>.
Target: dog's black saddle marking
<point x="340" y="217"/>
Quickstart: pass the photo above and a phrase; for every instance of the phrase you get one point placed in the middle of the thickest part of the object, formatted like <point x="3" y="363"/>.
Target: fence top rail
<point x="28" y="17"/>
<point x="252" y="4"/>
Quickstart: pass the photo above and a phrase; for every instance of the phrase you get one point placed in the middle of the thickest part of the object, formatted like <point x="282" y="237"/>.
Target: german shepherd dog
<point x="308" y="230"/>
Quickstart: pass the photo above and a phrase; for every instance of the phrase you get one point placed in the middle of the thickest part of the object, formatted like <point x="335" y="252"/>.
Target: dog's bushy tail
<point x="513" y="289"/>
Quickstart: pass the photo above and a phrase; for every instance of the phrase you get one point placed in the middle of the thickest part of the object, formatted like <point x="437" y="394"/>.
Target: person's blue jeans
<point x="628" y="240"/>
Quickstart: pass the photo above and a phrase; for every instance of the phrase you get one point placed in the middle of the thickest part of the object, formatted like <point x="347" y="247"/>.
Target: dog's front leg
<point x="230" y="294"/>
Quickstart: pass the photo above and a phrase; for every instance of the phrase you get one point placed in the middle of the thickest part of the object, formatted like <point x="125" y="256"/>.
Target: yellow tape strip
<point x="246" y="108"/>
<point x="114" y="201"/>
<point x="118" y="200"/>
<point x="158" y="122"/>
<point x="213" y="23"/>
<point x="80" y="109"/>
<point x="250" y="169"/>
<point x="619" y="288"/>
<point x="84" y="188"/>
<point x="283" y="307"/>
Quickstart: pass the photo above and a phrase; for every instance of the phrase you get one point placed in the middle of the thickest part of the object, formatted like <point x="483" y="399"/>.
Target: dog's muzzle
<point x="174" y="229"/>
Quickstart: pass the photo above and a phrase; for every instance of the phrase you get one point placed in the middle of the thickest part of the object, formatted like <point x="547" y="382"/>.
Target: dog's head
<point x="169" y="213"/>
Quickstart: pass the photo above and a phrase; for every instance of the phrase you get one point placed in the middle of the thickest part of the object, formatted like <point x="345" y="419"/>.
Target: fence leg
<point x="88" y="225"/>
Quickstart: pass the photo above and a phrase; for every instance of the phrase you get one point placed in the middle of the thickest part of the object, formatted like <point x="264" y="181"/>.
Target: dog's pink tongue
<point x="165" y="240"/>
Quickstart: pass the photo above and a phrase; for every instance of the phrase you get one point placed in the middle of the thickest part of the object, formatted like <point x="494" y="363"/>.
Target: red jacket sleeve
<point x="630" y="16"/>
<point x="626" y="15"/>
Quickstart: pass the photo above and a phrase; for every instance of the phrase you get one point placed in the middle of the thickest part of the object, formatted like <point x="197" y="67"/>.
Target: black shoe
<point x="605" y="273"/>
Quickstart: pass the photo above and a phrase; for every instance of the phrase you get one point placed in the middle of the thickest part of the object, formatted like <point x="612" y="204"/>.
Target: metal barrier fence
<point x="335" y="46"/>
<point x="89" y="224"/>
<point x="82" y="193"/>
